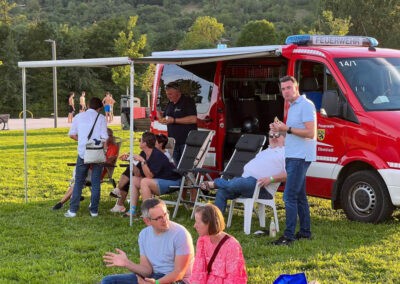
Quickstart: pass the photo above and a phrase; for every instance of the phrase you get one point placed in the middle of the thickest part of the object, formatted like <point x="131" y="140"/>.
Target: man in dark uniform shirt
<point x="180" y="116"/>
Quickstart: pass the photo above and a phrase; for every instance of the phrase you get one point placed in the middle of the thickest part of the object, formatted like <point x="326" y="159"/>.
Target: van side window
<point x="311" y="81"/>
<point x="194" y="84"/>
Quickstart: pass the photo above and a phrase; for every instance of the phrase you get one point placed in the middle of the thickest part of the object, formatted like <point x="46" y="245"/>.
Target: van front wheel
<point x="364" y="198"/>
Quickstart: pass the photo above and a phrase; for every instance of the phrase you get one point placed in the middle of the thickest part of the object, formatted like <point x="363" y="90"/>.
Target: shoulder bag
<point x="94" y="152"/>
<point x="221" y="242"/>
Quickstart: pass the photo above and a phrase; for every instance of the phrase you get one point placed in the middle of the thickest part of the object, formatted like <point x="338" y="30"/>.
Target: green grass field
<point x="38" y="245"/>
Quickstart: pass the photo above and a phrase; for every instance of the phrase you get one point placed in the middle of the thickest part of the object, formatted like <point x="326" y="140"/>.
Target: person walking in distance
<point x="180" y="116"/>
<point x="300" y="151"/>
<point x="79" y="131"/>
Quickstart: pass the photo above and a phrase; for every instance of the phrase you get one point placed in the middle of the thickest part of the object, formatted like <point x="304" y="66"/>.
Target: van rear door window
<point x="195" y="81"/>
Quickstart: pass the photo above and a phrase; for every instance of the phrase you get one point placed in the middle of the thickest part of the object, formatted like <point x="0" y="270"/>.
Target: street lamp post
<point x="54" y="57"/>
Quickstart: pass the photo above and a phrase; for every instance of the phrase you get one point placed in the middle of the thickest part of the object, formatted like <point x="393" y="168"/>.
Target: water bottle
<point x="272" y="228"/>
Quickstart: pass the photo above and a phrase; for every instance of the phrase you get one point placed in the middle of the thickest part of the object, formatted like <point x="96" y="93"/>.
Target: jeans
<point x="129" y="278"/>
<point x="81" y="171"/>
<point x="295" y="198"/>
<point x="231" y="189"/>
<point x="178" y="151"/>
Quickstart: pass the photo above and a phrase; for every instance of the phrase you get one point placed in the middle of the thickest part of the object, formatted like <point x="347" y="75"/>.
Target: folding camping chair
<point x="246" y="148"/>
<point x="249" y="203"/>
<point x="196" y="148"/>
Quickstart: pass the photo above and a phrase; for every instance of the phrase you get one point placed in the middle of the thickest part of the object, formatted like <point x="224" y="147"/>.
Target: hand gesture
<point x="115" y="259"/>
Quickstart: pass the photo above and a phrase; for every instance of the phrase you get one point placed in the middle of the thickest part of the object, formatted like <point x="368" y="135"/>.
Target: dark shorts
<point x="81" y="107"/>
<point x="70" y="109"/>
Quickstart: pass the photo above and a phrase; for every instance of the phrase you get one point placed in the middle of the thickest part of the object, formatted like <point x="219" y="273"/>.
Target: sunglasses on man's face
<point x="274" y="135"/>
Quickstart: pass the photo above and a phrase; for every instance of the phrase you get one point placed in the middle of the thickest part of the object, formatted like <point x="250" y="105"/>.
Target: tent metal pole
<point x="132" y="136"/>
<point x="25" y="134"/>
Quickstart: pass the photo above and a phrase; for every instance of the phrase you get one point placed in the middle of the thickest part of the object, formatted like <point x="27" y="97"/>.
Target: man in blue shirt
<point x="300" y="151"/>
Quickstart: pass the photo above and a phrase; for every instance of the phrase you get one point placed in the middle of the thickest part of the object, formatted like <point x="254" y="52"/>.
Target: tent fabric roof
<point x="195" y="56"/>
<point x="92" y="62"/>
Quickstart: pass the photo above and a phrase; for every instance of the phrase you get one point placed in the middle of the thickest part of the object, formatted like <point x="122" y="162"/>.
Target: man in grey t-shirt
<point x="166" y="250"/>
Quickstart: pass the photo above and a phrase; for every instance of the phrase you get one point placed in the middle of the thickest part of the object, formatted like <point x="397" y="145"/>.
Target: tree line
<point x="94" y="29"/>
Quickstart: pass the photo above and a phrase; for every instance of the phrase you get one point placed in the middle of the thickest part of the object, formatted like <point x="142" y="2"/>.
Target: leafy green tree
<point x="206" y="32"/>
<point x="10" y="75"/>
<point x="376" y="18"/>
<point x="260" y="32"/>
<point x="5" y="14"/>
<point x="330" y="25"/>
<point x="127" y="44"/>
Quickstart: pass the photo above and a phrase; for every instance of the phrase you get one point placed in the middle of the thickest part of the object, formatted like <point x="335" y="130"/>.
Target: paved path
<point x="38" y="123"/>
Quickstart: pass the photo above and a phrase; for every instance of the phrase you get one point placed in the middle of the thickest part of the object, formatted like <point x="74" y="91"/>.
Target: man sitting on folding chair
<point x="267" y="167"/>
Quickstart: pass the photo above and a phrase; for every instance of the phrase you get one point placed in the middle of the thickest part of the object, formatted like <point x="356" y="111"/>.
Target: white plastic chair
<point x="248" y="204"/>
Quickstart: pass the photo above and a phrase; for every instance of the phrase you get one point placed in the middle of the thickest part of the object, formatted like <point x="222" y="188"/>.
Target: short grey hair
<point x="148" y="204"/>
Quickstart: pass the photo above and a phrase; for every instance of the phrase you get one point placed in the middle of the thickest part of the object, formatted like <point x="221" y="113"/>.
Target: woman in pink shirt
<point x="228" y="265"/>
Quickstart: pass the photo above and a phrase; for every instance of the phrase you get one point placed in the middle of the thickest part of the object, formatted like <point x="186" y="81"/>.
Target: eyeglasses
<point x="162" y="217"/>
<point x="274" y="135"/>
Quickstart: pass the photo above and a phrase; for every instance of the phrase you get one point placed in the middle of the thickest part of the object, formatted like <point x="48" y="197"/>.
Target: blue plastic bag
<point x="299" y="278"/>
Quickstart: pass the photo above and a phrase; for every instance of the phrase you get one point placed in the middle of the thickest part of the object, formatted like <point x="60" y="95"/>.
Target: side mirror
<point x="330" y="104"/>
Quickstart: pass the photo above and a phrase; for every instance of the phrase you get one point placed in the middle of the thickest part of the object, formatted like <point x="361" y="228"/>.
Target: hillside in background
<point x="103" y="28"/>
<point x="165" y="22"/>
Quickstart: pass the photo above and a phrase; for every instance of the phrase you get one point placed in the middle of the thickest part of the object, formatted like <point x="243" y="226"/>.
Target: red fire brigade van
<point x="354" y="85"/>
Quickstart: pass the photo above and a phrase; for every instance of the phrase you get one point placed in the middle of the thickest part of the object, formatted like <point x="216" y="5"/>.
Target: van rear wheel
<point x="365" y="198"/>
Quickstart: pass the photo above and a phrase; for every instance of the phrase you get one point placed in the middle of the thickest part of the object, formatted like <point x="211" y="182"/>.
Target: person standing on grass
<point x="82" y="102"/>
<point x="71" y="106"/>
<point x="80" y="128"/>
<point x="300" y="151"/>
<point x="111" y="156"/>
<point x="166" y="250"/>
<point x="108" y="101"/>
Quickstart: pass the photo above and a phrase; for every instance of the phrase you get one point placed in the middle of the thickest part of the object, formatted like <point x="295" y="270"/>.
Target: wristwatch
<point x="143" y="163"/>
<point x="289" y="131"/>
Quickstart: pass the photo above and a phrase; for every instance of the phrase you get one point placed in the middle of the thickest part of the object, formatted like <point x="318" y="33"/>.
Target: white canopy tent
<point x="96" y="62"/>
<point x="183" y="57"/>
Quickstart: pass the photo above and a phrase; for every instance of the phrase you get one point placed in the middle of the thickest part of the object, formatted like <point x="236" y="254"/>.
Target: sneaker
<point x="115" y="193"/>
<point x="283" y="241"/>
<point x="118" y="209"/>
<point x="299" y="236"/>
<point x="59" y="205"/>
<point x="70" y="214"/>
<point x="94" y="214"/>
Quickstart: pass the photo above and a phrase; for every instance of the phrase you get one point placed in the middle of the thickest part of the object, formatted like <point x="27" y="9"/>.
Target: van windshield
<point x="375" y="81"/>
<point x="195" y="81"/>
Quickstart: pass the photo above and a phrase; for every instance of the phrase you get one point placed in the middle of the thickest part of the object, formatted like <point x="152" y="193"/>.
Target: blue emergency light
<point x="331" y="40"/>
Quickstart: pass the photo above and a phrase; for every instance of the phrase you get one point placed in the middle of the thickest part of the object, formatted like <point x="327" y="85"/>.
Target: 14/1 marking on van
<point x="347" y="63"/>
